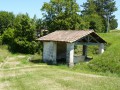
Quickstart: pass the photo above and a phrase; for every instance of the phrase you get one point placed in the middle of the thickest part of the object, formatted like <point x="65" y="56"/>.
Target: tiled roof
<point x="66" y="35"/>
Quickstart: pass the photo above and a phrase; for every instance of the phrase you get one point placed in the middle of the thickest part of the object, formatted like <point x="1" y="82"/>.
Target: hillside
<point x="110" y="60"/>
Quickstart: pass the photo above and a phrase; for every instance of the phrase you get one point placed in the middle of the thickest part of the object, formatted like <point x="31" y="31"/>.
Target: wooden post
<point x="85" y="51"/>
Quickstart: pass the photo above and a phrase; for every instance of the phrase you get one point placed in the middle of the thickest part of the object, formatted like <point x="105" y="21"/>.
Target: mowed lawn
<point x="44" y="77"/>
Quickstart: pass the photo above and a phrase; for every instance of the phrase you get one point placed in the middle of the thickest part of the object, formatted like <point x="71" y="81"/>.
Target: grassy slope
<point x="105" y="63"/>
<point x="110" y="60"/>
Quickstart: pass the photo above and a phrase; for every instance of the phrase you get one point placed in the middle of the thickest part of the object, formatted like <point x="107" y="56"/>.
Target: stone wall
<point x="49" y="52"/>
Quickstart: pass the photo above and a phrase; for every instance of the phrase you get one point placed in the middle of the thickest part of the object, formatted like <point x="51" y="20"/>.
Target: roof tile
<point x="65" y="35"/>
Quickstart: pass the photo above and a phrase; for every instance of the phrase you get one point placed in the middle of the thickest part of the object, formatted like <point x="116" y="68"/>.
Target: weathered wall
<point x="78" y="59"/>
<point x="49" y="52"/>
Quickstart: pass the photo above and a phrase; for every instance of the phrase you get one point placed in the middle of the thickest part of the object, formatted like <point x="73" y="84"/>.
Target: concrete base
<point x="78" y="59"/>
<point x="101" y="48"/>
<point x="71" y="64"/>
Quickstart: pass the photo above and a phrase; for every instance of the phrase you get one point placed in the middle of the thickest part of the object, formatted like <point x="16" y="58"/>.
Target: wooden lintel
<point x="93" y="38"/>
<point x="80" y="43"/>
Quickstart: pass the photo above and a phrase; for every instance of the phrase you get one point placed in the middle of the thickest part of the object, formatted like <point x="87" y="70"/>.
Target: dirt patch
<point x="10" y="58"/>
<point x="4" y="85"/>
<point x="15" y="63"/>
<point x="21" y="56"/>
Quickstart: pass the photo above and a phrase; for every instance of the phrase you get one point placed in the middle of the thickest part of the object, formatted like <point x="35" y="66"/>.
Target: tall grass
<point x="109" y="61"/>
<point x="4" y="53"/>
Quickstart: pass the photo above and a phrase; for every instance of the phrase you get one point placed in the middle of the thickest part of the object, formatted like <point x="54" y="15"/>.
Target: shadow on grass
<point x="58" y="63"/>
<point x="87" y="59"/>
<point x="36" y="61"/>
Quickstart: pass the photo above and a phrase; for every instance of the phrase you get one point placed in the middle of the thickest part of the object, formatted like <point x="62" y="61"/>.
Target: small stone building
<point x="60" y="44"/>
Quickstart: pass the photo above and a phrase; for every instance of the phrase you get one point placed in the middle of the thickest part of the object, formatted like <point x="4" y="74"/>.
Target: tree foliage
<point x="6" y="20"/>
<point x="103" y="9"/>
<point x="24" y="35"/>
<point x="95" y="22"/>
<point x="62" y="15"/>
<point x="8" y="36"/>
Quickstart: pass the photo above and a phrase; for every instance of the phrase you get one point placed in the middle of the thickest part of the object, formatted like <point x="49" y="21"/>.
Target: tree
<point x="62" y="15"/>
<point x="113" y="24"/>
<point x="103" y="9"/>
<point x="90" y="15"/>
<point x="24" y="27"/>
<point x="95" y="22"/>
<point x="89" y="8"/>
<point x="6" y="20"/>
<point x="106" y="8"/>
<point x="24" y="35"/>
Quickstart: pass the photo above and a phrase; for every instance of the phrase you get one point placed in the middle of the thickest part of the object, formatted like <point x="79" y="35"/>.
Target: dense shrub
<point x="23" y="46"/>
<point x="0" y="40"/>
<point x="22" y="38"/>
<point x="8" y="36"/>
<point x="24" y="35"/>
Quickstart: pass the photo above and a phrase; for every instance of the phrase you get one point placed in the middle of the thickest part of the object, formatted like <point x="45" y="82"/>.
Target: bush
<point x="0" y="40"/>
<point x="8" y="36"/>
<point x="23" y="46"/>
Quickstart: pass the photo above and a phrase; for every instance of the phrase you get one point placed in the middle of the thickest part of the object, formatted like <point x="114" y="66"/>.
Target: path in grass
<point x="15" y="74"/>
<point x="13" y="61"/>
<point x="52" y="78"/>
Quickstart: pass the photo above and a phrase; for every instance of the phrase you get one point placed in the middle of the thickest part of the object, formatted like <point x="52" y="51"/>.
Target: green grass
<point x="9" y="60"/>
<point x="4" y="53"/>
<point x="52" y="78"/>
<point x="109" y="61"/>
<point x="20" y="74"/>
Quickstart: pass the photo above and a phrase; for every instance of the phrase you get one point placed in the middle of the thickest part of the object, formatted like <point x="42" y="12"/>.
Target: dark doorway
<point x="61" y="52"/>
